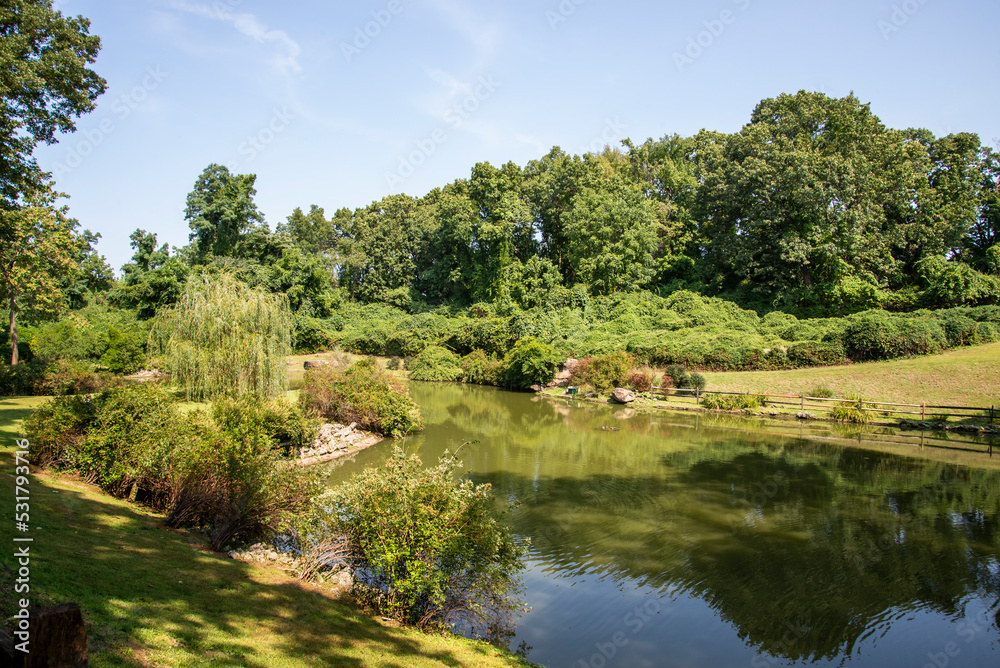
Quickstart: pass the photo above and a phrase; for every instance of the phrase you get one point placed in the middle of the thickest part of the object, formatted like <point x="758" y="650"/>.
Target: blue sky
<point x="340" y="104"/>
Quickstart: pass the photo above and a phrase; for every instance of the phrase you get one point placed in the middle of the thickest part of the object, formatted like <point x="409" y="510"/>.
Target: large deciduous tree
<point x="45" y="84"/>
<point x="381" y="244"/>
<point x="38" y="251"/>
<point x="221" y="212"/>
<point x="613" y="232"/>
<point x="311" y="231"/>
<point x="812" y="191"/>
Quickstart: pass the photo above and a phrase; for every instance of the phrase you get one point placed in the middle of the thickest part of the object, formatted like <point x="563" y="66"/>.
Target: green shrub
<point x="126" y="351"/>
<point x="364" y="394"/>
<point x="816" y="353"/>
<point x="730" y="402"/>
<point x="696" y="381"/>
<point x="59" y="340"/>
<point x="66" y="376"/>
<point x="481" y="369"/>
<point x="528" y="363"/>
<point x="677" y="375"/>
<point x="603" y="372"/>
<point x="877" y="335"/>
<point x="426" y="549"/>
<point x="132" y="441"/>
<point x="963" y="330"/>
<point x="311" y="336"/>
<point x="820" y="392"/>
<point x="278" y="420"/>
<point x="56" y="428"/>
<point x="233" y="481"/>
<point x="394" y="363"/>
<point x="21" y="379"/>
<point x="849" y="411"/>
<point x="436" y="364"/>
<point x="126" y="445"/>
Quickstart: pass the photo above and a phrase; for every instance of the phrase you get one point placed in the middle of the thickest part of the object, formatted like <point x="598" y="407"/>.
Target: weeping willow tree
<point x="224" y="337"/>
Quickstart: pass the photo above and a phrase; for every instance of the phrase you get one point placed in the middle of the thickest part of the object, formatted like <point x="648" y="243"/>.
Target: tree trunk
<point x="13" y="329"/>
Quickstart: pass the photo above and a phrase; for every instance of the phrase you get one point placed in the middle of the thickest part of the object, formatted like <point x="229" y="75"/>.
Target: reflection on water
<point x="684" y="540"/>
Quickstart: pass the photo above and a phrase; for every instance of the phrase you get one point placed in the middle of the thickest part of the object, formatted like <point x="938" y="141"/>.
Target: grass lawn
<point x="156" y="597"/>
<point x="960" y="377"/>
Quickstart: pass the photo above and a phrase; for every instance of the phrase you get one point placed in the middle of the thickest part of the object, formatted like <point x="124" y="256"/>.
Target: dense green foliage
<point x="426" y="548"/>
<point x="604" y="372"/>
<point x="47" y="85"/>
<point x="814" y="236"/>
<point x="362" y="394"/>
<point x="226" y="475"/>
<point x="730" y="402"/>
<point x="224" y="337"/>
<point x="436" y="363"/>
<point x="529" y="362"/>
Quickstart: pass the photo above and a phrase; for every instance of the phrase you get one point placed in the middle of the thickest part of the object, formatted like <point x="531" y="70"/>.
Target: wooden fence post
<point x="802" y="400"/>
<point x="697" y="396"/>
<point x="923" y="410"/>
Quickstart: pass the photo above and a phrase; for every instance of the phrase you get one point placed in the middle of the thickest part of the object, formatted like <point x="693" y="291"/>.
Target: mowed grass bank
<point x="156" y="597"/>
<point x="961" y="377"/>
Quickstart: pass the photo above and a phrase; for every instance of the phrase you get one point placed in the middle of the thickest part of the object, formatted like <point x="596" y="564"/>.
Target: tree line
<point x="814" y="207"/>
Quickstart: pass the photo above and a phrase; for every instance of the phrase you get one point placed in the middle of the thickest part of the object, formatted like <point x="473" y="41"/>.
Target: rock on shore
<point x="335" y="440"/>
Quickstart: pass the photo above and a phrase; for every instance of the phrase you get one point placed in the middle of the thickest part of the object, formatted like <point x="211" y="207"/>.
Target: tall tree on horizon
<point x="221" y="211"/>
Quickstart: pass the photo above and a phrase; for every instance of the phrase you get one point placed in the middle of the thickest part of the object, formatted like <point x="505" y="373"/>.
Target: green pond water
<point x="690" y="540"/>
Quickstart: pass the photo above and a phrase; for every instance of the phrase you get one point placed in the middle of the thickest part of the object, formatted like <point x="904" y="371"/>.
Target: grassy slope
<point x="154" y="597"/>
<point x="961" y="377"/>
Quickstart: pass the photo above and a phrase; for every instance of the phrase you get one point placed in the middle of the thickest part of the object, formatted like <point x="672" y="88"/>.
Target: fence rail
<point x="802" y="401"/>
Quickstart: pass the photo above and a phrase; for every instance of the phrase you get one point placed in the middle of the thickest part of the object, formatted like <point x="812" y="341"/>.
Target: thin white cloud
<point x="284" y="61"/>
<point x="450" y="82"/>
<point x="483" y="34"/>
<point x="536" y="143"/>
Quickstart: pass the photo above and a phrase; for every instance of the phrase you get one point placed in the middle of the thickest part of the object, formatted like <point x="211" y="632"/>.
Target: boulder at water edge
<point x="622" y="395"/>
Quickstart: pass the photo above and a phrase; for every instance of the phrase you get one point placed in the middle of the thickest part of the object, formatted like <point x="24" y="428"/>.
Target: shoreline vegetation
<point x="675" y="262"/>
<point x="81" y="518"/>
<point x="183" y="603"/>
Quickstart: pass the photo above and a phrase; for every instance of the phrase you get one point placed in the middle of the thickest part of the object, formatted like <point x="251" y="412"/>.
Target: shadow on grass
<point x="153" y="596"/>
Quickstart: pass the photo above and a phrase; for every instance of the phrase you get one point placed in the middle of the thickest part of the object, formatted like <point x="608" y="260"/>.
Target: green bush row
<point x="684" y="328"/>
<point x="224" y="471"/>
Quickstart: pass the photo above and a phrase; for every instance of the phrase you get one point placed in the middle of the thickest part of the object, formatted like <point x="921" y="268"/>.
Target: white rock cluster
<point x="261" y="552"/>
<point x="333" y="438"/>
<point x="338" y="579"/>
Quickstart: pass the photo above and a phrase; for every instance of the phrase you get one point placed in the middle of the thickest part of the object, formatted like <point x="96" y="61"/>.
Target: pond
<point x="670" y="539"/>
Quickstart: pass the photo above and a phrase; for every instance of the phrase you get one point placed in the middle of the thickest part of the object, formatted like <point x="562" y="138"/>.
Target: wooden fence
<point x="922" y="412"/>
